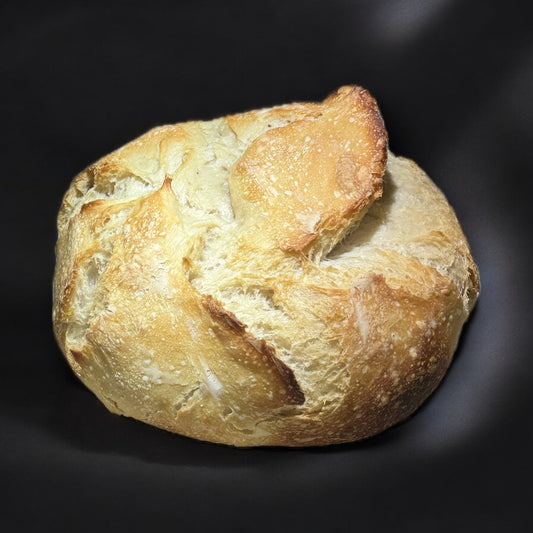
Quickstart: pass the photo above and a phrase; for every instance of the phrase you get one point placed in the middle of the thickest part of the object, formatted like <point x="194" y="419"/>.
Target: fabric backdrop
<point x="454" y="81"/>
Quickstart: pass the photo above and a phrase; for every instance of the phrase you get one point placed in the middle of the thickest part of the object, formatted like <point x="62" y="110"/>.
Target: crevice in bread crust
<point x="129" y="187"/>
<point x="424" y="242"/>
<point x="85" y="304"/>
<point x="362" y="232"/>
<point x="187" y="398"/>
<point x="90" y="295"/>
<point x="253" y="301"/>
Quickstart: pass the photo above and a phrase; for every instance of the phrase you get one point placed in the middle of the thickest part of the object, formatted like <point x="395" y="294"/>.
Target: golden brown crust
<point x="316" y="175"/>
<point x="196" y="288"/>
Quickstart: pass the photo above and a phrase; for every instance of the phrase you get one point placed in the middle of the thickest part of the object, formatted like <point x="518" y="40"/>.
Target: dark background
<point x="454" y="80"/>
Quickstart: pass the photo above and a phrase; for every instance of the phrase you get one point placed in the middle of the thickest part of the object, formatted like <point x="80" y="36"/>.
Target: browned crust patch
<point x="314" y="177"/>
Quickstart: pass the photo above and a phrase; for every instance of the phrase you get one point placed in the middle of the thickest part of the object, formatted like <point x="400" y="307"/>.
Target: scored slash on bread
<point x="274" y="277"/>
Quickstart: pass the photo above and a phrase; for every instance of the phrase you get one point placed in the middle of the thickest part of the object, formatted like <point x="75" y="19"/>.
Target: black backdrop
<point x="454" y="80"/>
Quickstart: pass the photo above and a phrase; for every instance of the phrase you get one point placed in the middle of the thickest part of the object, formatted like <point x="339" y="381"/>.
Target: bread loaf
<point x="275" y="277"/>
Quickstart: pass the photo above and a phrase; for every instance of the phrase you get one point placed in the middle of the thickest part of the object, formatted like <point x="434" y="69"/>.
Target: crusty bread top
<point x="201" y="285"/>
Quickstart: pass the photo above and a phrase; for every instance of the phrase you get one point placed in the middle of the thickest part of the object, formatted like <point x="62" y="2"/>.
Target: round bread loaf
<point x="274" y="277"/>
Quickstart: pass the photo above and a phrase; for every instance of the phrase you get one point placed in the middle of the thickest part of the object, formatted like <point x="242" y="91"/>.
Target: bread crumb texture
<point x="275" y="277"/>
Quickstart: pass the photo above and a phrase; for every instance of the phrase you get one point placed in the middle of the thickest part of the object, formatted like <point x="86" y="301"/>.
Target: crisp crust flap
<point x="302" y="185"/>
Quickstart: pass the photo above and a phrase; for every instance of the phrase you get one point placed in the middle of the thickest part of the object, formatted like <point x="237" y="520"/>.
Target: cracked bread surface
<point x="275" y="277"/>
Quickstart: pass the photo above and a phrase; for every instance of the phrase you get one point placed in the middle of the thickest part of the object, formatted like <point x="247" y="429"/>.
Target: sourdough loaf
<point x="275" y="277"/>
